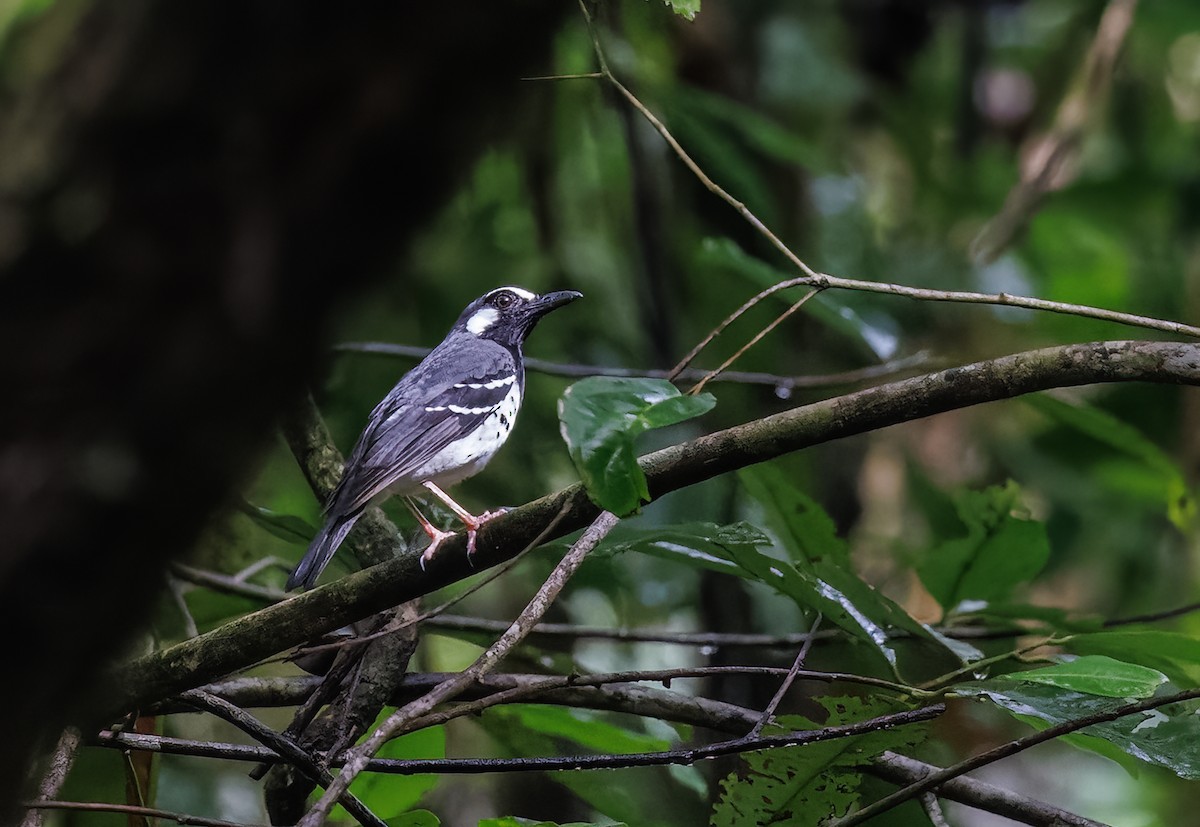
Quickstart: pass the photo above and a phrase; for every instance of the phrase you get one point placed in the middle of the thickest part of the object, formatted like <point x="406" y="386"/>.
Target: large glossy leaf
<point x="601" y="419"/>
<point x="1097" y="675"/>
<point x="798" y="520"/>
<point x="1104" y="427"/>
<point x="843" y="599"/>
<point x="1175" y="655"/>
<point x="820" y="575"/>
<point x="704" y="545"/>
<point x="1168" y="736"/>
<point x="998" y="552"/>
<point x="812" y="783"/>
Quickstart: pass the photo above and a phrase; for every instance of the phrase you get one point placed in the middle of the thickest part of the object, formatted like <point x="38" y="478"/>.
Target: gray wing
<point x="422" y="415"/>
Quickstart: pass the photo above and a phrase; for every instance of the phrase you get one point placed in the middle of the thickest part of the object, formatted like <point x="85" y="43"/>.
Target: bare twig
<point x="699" y="386"/>
<point x="131" y="809"/>
<point x="788" y="680"/>
<point x="473" y="766"/>
<point x="282" y="746"/>
<point x="358" y="758"/>
<point x="932" y="780"/>
<point x="576" y="371"/>
<point x="288" y="691"/>
<point x="814" y="279"/>
<point x="226" y="583"/>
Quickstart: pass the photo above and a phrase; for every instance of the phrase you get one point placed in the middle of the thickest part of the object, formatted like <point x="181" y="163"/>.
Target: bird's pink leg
<point x="468" y="519"/>
<point x="436" y="535"/>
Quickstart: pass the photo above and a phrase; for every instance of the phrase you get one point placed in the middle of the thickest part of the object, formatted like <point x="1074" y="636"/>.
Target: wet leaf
<point x="600" y="420"/>
<point x="1097" y="675"/>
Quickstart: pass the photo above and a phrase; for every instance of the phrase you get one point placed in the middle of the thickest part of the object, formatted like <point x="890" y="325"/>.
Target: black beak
<point x="551" y="301"/>
<point x="542" y="305"/>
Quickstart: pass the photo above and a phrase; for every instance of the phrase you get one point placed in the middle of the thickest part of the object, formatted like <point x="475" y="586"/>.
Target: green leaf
<point x="1053" y="619"/>
<point x="1168" y="736"/>
<point x="514" y="821"/>
<point x="284" y="526"/>
<point x="820" y="575"/>
<point x="583" y="728"/>
<point x="687" y="9"/>
<point x="702" y="545"/>
<point x="414" y="818"/>
<point x="844" y="600"/>
<point x="998" y="552"/>
<point x="800" y="521"/>
<point x="1104" y="427"/>
<point x="390" y="796"/>
<point x="541" y="730"/>
<point x="601" y="418"/>
<point x="811" y="783"/>
<point x="1175" y="655"/>
<point x="1098" y="675"/>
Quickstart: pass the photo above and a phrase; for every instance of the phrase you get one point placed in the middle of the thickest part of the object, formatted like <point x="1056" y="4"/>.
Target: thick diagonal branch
<point x="270" y="630"/>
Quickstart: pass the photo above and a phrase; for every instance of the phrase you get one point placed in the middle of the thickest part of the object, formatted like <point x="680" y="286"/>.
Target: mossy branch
<point x="261" y="634"/>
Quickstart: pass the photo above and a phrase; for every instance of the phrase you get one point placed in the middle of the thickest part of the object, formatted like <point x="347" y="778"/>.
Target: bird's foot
<point x="473" y="527"/>
<point x="436" y="538"/>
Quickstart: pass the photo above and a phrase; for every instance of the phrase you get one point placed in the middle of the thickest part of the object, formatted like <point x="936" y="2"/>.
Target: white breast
<point x="466" y="457"/>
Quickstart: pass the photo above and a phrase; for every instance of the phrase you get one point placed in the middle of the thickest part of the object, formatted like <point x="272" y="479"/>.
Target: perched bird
<point x="441" y="423"/>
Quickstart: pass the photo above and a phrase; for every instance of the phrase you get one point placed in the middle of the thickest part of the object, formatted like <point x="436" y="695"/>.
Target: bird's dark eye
<point x="503" y="300"/>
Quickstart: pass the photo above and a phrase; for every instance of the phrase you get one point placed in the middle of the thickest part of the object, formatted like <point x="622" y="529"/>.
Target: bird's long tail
<point x="322" y="549"/>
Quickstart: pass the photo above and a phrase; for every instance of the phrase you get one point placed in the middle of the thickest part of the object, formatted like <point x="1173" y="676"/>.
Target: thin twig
<point x="132" y="809"/>
<point x="582" y="76"/>
<point x="358" y="758"/>
<point x="792" y="674"/>
<point x="226" y="583"/>
<point x="281" y="746"/>
<point x="721" y="717"/>
<point x="699" y="386"/>
<point x="473" y="766"/>
<point x="578" y="371"/>
<point x="1005" y="750"/>
<point x="814" y="279"/>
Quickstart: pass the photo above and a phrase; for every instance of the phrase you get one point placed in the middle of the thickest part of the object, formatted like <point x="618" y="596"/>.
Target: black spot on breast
<point x="504" y="420"/>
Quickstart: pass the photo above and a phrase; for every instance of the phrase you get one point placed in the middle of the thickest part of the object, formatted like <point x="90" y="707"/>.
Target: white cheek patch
<point x="482" y="319"/>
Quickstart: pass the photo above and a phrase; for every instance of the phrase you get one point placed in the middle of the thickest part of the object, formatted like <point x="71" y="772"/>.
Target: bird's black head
<point x="507" y="314"/>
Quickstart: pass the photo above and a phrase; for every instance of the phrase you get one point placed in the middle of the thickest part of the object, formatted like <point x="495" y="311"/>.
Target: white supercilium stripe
<point x="520" y="291"/>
